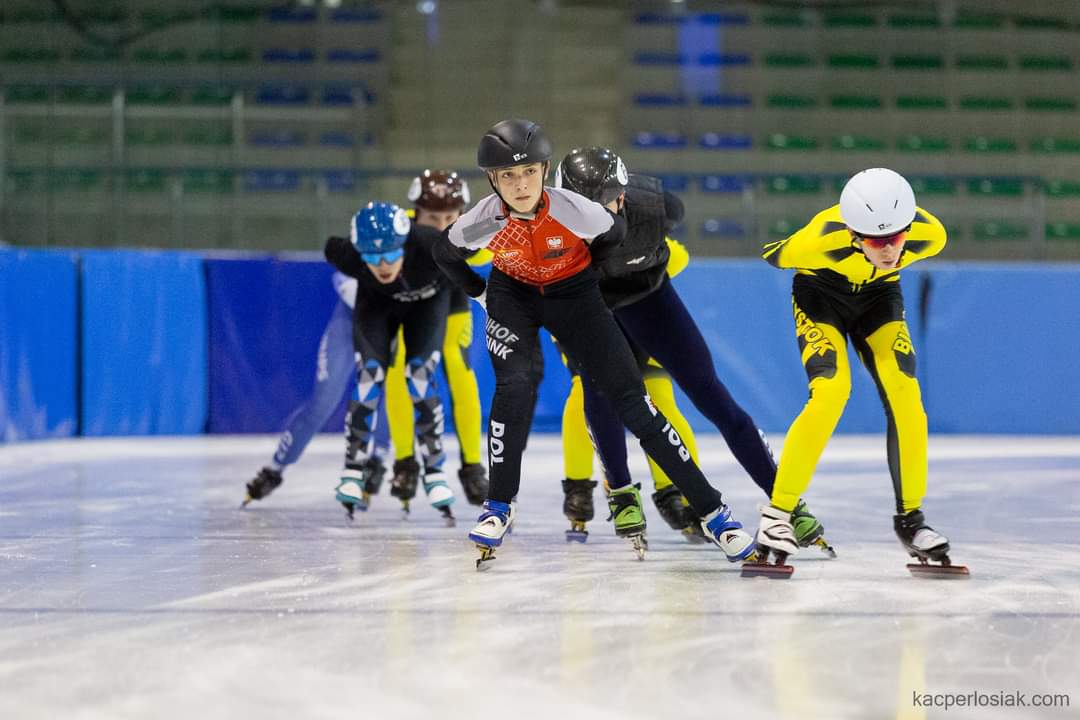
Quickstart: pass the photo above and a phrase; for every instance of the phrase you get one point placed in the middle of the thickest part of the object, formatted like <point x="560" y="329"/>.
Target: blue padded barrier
<point x="38" y="344"/>
<point x="144" y="343"/>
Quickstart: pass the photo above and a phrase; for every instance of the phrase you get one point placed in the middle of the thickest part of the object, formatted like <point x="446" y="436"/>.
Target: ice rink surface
<point x="132" y="586"/>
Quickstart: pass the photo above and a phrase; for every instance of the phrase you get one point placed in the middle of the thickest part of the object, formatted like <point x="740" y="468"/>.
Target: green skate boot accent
<point x="808" y="530"/>
<point x="627" y="511"/>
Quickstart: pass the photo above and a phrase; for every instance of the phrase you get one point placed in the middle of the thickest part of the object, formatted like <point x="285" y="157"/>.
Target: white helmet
<point x="877" y="201"/>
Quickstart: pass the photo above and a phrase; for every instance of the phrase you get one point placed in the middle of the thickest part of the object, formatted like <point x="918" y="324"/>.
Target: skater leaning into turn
<point x="399" y="287"/>
<point x="635" y="283"/>
<point x="438" y="197"/>
<point x="846" y="286"/>
<point x="541" y="239"/>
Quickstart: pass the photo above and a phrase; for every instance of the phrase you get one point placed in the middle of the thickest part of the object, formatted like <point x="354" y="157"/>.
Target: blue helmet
<point x="378" y="232"/>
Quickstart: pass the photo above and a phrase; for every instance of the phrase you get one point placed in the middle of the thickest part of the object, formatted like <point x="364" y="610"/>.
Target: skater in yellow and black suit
<point x="848" y="261"/>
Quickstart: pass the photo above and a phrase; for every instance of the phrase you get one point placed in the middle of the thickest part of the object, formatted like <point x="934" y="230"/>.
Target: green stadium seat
<point x="780" y="141"/>
<point x="1056" y="145"/>
<point x="922" y="143"/>
<point x="1062" y="231"/>
<point x="84" y="95"/>
<point x="225" y="56"/>
<point x="1050" y="104"/>
<point x="208" y="181"/>
<point x="153" y="95"/>
<point x="147" y="180"/>
<point x="982" y="63"/>
<point x="158" y="17"/>
<point x="212" y="95"/>
<point x="855" y="102"/>
<point x="217" y="136"/>
<point x="858" y="143"/>
<point x="782" y="228"/>
<point x="851" y="61"/>
<point x="82" y="136"/>
<point x="21" y="181"/>
<point x="150" y="136"/>
<point x="789" y="60"/>
<point x="1044" y="63"/>
<point x="95" y="54"/>
<point x="990" y="145"/>
<point x="979" y="22"/>
<point x="74" y="180"/>
<point x="997" y="187"/>
<point x="999" y="230"/>
<point x="31" y="134"/>
<point x="914" y="22"/>
<point x="27" y="94"/>
<point x="784" y="20"/>
<point x="788" y="184"/>
<point x="159" y="56"/>
<point x="1031" y="22"/>
<point x="982" y="103"/>
<point x="235" y="13"/>
<point x="30" y="55"/>
<point x="791" y="102"/>
<point x="921" y="102"/>
<point x="1062" y="188"/>
<point x="39" y="13"/>
<point x="107" y="14"/>
<point x="933" y="185"/>
<point x="849" y="20"/>
<point x="918" y="62"/>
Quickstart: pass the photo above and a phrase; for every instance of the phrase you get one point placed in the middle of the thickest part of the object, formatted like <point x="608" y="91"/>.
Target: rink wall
<point x="142" y="342"/>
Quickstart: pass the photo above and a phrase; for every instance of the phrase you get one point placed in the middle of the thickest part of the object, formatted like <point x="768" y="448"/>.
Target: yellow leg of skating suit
<point x="830" y="387"/>
<point x="464" y="392"/>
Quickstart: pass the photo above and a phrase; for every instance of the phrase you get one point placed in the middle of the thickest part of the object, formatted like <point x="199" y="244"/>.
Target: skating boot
<point x="629" y="516"/>
<point x="264" y="483"/>
<point x="926" y="545"/>
<point x="492" y="526"/>
<point x="405" y="481"/>
<point x="677" y="513"/>
<point x="359" y="481"/>
<point x="727" y="534"/>
<point x="474" y="482"/>
<point x="808" y="530"/>
<point x="439" y="494"/>
<point x="775" y="536"/>
<point x="578" y="507"/>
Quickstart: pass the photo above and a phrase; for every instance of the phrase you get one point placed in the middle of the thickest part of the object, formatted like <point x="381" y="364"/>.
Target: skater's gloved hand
<point x="482" y="299"/>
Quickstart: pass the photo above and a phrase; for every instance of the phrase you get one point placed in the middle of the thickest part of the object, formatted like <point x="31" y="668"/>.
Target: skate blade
<point x="448" y="516"/>
<point x="694" y="537"/>
<point x="766" y="570"/>
<point x="826" y="548"/>
<point x="578" y="536"/>
<point x="640" y="546"/>
<point x="941" y="572"/>
<point x="247" y="501"/>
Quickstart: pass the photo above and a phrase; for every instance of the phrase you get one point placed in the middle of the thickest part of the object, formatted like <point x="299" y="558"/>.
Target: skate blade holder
<point x="773" y="571"/>
<point x="447" y="516"/>
<point x="825" y="547"/>
<point x="487" y="555"/>
<point x="640" y="545"/>
<point x="941" y="571"/>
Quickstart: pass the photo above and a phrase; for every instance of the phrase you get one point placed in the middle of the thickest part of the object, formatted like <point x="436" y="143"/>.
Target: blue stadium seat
<point x="283" y="95"/>
<point x="355" y="15"/>
<point x="714" y="59"/>
<point x="659" y="100"/>
<point x="659" y="58"/>
<point x="715" y="141"/>
<point x="728" y="101"/>
<point x="291" y="15"/>
<point x="723" y="19"/>
<point x="337" y="138"/>
<point x="302" y="56"/>
<point x="340" y="180"/>
<point x="726" y="183"/>
<point x="718" y="227"/>
<point x="675" y="183"/>
<point x="277" y="139"/>
<point x="651" y="18"/>
<point x="659" y="140"/>
<point x="350" y="55"/>
<point x="272" y="180"/>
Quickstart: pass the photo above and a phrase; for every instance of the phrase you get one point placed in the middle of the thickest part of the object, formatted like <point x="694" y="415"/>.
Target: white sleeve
<point x="346" y="288"/>
<point x="474" y="229"/>
<point x="578" y="214"/>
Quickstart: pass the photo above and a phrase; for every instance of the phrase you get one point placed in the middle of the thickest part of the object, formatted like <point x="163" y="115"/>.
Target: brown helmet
<point x="439" y="191"/>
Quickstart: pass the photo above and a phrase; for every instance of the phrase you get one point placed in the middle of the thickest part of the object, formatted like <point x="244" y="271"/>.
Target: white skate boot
<point x="439" y="494"/>
<point x="775" y="535"/>
<point x="728" y="534"/>
<point x="494" y="524"/>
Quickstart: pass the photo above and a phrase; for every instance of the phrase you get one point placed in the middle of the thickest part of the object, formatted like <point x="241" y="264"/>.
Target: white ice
<point x="132" y="586"/>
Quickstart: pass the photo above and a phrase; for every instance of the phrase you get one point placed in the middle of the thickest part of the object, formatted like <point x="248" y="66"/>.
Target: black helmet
<point x="596" y="172"/>
<point x="513" y="142"/>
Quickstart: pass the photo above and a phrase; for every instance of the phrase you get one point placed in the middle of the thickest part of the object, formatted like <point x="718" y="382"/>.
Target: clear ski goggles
<point x="389" y="258"/>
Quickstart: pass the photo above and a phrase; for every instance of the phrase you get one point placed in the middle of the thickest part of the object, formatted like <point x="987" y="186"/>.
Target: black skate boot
<point x="374" y="472"/>
<point x="405" y="481"/>
<point x="359" y="481"/>
<point x="474" y="481"/>
<point x="264" y="483"/>
<point x="677" y="513"/>
<point x="925" y="545"/>
<point x="578" y="507"/>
